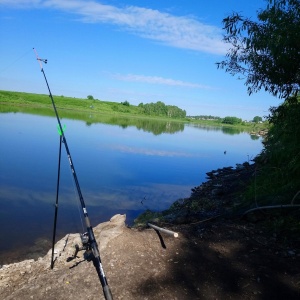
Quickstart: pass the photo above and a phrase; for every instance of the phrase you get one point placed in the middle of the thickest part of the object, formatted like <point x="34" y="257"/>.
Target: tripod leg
<point x="56" y="203"/>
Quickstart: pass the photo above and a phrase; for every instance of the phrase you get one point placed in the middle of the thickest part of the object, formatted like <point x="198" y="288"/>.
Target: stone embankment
<point x="262" y="132"/>
<point x="218" y="196"/>
<point x="33" y="279"/>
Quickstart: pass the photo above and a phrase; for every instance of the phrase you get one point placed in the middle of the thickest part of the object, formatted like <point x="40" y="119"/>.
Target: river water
<point x="123" y="166"/>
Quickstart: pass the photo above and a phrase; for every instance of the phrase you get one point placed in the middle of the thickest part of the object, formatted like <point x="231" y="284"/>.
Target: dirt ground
<point x="221" y="259"/>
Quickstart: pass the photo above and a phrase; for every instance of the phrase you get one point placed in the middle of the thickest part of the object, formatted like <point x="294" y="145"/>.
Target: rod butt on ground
<point x="107" y="293"/>
<point x="174" y="234"/>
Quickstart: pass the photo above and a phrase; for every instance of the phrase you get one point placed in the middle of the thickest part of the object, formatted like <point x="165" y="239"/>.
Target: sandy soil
<point x="221" y="259"/>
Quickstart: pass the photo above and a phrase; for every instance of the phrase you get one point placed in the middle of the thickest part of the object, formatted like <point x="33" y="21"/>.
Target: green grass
<point x="12" y="100"/>
<point x="62" y="102"/>
<point x="41" y="104"/>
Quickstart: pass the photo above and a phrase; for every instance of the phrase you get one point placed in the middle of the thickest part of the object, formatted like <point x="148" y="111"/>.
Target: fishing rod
<point x="88" y="239"/>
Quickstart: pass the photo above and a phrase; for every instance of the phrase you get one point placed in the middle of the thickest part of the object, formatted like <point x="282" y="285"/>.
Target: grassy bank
<point x="14" y="101"/>
<point x="62" y="102"/>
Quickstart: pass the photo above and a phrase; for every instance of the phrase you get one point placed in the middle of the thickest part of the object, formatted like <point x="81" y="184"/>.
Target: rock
<point x="104" y="232"/>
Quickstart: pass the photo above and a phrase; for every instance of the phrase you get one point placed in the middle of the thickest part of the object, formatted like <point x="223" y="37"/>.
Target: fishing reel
<point x="86" y="246"/>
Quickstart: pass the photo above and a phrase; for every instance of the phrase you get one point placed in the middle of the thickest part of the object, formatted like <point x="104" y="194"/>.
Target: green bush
<point x="232" y="120"/>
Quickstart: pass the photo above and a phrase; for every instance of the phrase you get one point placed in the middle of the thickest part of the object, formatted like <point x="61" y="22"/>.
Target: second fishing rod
<point x="91" y="241"/>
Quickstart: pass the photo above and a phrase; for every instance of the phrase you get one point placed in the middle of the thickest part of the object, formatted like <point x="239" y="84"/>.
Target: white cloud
<point x="21" y="3"/>
<point x="176" y="31"/>
<point x="158" y="80"/>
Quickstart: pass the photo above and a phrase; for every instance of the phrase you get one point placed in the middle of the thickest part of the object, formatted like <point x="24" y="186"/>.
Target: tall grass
<point x="277" y="179"/>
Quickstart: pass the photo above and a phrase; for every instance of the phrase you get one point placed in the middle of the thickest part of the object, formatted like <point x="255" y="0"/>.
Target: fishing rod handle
<point x="107" y="293"/>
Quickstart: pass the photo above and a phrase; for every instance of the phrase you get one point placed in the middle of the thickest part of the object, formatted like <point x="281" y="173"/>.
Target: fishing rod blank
<point x="90" y="234"/>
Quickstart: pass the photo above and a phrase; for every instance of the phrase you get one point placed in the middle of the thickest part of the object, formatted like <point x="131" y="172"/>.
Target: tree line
<point x="205" y="117"/>
<point x="161" y="109"/>
<point x="226" y="120"/>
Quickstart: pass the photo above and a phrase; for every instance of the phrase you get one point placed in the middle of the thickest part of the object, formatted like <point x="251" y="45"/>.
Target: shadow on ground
<point x="220" y="261"/>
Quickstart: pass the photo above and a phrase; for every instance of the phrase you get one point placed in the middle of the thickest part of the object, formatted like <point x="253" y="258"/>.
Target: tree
<point x="266" y="52"/>
<point x="231" y="120"/>
<point x="161" y="109"/>
<point x="257" y="119"/>
<point x="126" y="103"/>
<point x="90" y="97"/>
<point x="280" y="158"/>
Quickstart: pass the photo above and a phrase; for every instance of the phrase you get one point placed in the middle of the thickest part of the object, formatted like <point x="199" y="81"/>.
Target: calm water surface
<point x="117" y="167"/>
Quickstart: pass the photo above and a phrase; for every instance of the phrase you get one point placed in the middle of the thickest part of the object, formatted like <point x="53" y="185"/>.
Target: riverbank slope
<point x="222" y="260"/>
<point x="218" y="255"/>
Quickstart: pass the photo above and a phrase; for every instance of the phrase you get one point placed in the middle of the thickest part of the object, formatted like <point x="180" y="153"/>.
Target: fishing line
<point x="15" y="61"/>
<point x="77" y="200"/>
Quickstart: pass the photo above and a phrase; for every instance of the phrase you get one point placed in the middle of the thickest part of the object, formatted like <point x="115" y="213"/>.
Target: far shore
<point x="40" y="103"/>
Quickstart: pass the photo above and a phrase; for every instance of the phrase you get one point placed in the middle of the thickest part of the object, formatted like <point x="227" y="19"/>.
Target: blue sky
<point x="139" y="51"/>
